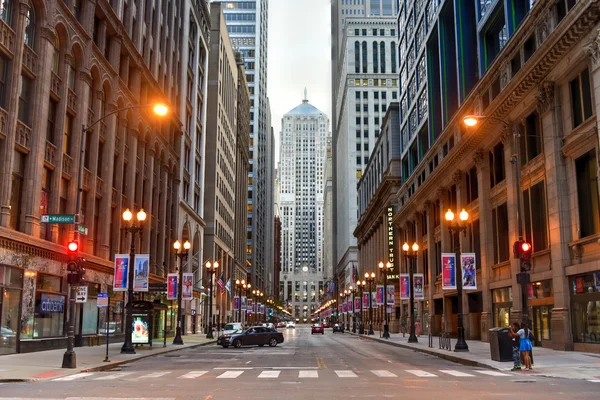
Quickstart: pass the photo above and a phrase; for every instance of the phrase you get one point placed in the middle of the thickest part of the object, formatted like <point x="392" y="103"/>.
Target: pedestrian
<point x="525" y="345"/>
<point x="513" y="329"/>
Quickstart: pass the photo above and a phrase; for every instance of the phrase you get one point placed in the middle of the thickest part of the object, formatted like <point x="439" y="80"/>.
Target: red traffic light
<point x="525" y="246"/>
<point x="73" y="246"/>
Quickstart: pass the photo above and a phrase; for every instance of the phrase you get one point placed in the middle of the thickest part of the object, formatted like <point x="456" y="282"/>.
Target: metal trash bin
<point x="500" y="344"/>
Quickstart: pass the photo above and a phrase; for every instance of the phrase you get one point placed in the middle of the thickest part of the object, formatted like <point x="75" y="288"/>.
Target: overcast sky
<point x="299" y="57"/>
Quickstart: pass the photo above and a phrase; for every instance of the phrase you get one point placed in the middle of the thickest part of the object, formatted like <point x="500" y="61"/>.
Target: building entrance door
<point x="540" y="317"/>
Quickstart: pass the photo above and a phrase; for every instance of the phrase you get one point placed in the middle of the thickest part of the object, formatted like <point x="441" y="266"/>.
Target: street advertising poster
<point x="469" y="272"/>
<point x="374" y="298"/>
<point x="404" y="287"/>
<point x="418" y="283"/>
<point x="120" y="281"/>
<point x="236" y="302"/>
<point x="187" y="283"/>
<point x="250" y="306"/>
<point x="357" y="304"/>
<point x="102" y="301"/>
<point x="365" y="304"/>
<point x="448" y="271"/>
<point x="379" y="297"/>
<point x="244" y="308"/>
<point x="349" y="302"/>
<point x="139" y="332"/>
<point x="172" y="286"/>
<point x="390" y="295"/>
<point x="140" y="272"/>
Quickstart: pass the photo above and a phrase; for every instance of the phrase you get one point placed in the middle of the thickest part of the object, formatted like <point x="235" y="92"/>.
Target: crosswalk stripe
<point x="75" y="376"/>
<point x="454" y="372"/>
<point x="155" y="374"/>
<point x="269" y="374"/>
<point x="384" y="374"/>
<point x="346" y="374"/>
<point x="230" y="374"/>
<point x="421" y="374"/>
<point x="110" y="377"/>
<point x="594" y="380"/>
<point x="192" y="375"/>
<point x="308" y="374"/>
<point x="492" y="373"/>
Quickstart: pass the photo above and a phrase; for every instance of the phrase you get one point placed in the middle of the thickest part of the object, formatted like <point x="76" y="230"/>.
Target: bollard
<point x="430" y="340"/>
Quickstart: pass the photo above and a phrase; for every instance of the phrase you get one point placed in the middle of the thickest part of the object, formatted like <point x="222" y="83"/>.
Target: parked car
<point x="224" y="339"/>
<point x="7" y="335"/>
<point x="317" y="328"/>
<point x="291" y="324"/>
<point x="256" y="336"/>
<point x="338" y="328"/>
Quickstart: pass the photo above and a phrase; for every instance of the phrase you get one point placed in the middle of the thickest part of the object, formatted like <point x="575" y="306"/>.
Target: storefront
<point x="11" y="284"/>
<point x="540" y="304"/>
<point x="585" y="303"/>
<point x="502" y="301"/>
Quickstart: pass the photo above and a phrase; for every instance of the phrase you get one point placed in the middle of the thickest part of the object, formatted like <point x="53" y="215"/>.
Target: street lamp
<point x="523" y="277"/>
<point x="352" y="291"/>
<point x="412" y="338"/>
<point x="457" y="226"/>
<point x="370" y="278"/>
<point x="132" y="228"/>
<point x="247" y="288"/>
<point x="211" y="268"/>
<point x="384" y="268"/>
<point x="240" y="284"/>
<point x="360" y="286"/>
<point x="182" y="255"/>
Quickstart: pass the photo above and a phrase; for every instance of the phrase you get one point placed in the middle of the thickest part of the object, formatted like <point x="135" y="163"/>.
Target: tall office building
<point x="247" y="23"/>
<point x="304" y="135"/>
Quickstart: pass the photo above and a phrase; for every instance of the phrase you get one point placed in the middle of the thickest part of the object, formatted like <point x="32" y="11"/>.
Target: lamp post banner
<point x="390" y="292"/>
<point x="349" y="303"/>
<point x="469" y="271"/>
<point x="172" y="286"/>
<point x="120" y="281"/>
<point x="244" y="303"/>
<point x="374" y="298"/>
<point x="379" y="297"/>
<point x="249" y="307"/>
<point x="357" y="304"/>
<point x="187" y="286"/>
<point x="140" y="272"/>
<point x="448" y="271"/>
<point x="366" y="300"/>
<point x="404" y="287"/>
<point x="418" y="281"/>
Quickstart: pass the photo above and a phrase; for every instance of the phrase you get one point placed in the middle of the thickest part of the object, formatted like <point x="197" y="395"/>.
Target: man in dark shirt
<point x="515" y="346"/>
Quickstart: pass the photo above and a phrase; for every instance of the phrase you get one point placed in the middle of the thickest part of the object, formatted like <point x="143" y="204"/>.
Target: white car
<point x="228" y="329"/>
<point x="291" y="324"/>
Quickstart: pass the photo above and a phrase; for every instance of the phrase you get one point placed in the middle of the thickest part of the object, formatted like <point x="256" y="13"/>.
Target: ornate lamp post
<point x="239" y="284"/>
<point x="132" y="228"/>
<point x="360" y="286"/>
<point x="370" y="278"/>
<point x="353" y="315"/>
<point x="410" y="258"/>
<point x="182" y="255"/>
<point x="247" y="288"/>
<point x="211" y="268"/>
<point x="384" y="268"/>
<point x="457" y="226"/>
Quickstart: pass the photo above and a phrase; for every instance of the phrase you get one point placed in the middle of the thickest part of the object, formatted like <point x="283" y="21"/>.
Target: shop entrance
<point x="540" y="317"/>
<point x="11" y="282"/>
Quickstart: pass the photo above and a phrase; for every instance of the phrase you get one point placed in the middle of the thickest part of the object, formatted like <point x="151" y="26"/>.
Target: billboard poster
<point x="448" y="271"/>
<point x="418" y="283"/>
<point x="120" y="281"/>
<point x="244" y="308"/>
<point x="404" y="287"/>
<point x="390" y="295"/>
<point x="140" y="272"/>
<point x="357" y="304"/>
<point x="469" y="271"/>
<point x="250" y="306"/>
<point x="365" y="304"/>
<point x="139" y="332"/>
<point x="172" y="287"/>
<point x="379" y="297"/>
<point x="187" y="283"/>
<point x="236" y="302"/>
<point x="374" y="298"/>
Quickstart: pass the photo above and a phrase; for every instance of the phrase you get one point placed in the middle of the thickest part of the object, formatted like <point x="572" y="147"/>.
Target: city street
<point x="305" y="366"/>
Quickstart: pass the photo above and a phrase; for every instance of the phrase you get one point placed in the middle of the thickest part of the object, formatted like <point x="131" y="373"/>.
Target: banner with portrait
<point x="379" y="297"/>
<point x="243" y="303"/>
<point x="390" y="292"/>
<point x="121" y="273"/>
<point x="140" y="272"/>
<point x="418" y="284"/>
<point x="374" y="298"/>
<point x="357" y="304"/>
<point x="250" y="307"/>
<point x="349" y="303"/>
<point x="469" y="271"/>
<point x="172" y="287"/>
<point x="404" y="287"/>
<point x="365" y="303"/>
<point x="448" y="271"/>
<point x="187" y="286"/>
<point x="236" y="302"/>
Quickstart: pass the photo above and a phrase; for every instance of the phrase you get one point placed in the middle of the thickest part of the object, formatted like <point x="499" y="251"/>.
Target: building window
<point x="49" y="315"/>
<point x="495" y="36"/>
<point x="581" y="98"/>
<point x="364" y="57"/>
<point x="18" y="175"/>
<point x="6" y="11"/>
<point x="67" y="134"/>
<point x="496" y="165"/>
<point x="382" y="56"/>
<point x="375" y="58"/>
<point x="51" y="121"/>
<point x="472" y="185"/>
<point x="356" y="57"/>
<point x="55" y="53"/>
<point x="530" y="142"/>
<point x="30" y="28"/>
<point x="24" y="99"/>
<point x="46" y="190"/>
<point x="500" y="233"/>
<point x="587" y="194"/>
<point x="536" y="218"/>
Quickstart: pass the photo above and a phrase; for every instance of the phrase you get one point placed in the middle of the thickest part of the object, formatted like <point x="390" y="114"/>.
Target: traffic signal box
<point x="75" y="268"/>
<point x="522" y="250"/>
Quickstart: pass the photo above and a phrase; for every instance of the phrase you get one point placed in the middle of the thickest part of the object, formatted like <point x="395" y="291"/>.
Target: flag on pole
<point x="221" y="283"/>
<point x="228" y="285"/>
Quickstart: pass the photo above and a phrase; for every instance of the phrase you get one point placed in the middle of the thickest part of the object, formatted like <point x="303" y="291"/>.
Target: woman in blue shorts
<point x="525" y="345"/>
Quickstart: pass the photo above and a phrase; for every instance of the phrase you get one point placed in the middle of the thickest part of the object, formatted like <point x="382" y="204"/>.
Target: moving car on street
<point x="338" y="328"/>
<point x="256" y="336"/>
<point x="228" y="330"/>
<point x="326" y="325"/>
<point x="317" y="328"/>
<point x="291" y="324"/>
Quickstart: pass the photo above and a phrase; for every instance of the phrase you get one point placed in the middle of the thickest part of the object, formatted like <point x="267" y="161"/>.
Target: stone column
<point x="12" y="99"/>
<point x="446" y="242"/>
<point x="431" y="275"/>
<point x="117" y="172"/>
<point x="114" y="56"/>
<point x="131" y="167"/>
<point x="164" y="217"/>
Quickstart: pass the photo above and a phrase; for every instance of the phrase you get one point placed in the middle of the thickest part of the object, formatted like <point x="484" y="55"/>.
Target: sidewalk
<point x="44" y="365"/>
<point x="551" y="363"/>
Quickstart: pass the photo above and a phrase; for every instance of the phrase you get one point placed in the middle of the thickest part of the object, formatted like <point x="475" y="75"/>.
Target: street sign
<point x="82" y="229"/>
<point x="82" y="293"/>
<point x="102" y="300"/>
<point x="58" y="219"/>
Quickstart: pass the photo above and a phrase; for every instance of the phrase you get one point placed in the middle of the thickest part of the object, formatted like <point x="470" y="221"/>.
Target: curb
<point x="449" y="357"/>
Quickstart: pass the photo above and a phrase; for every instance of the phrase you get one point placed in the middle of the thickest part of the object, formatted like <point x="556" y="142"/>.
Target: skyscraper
<point x="247" y="23"/>
<point x="304" y="136"/>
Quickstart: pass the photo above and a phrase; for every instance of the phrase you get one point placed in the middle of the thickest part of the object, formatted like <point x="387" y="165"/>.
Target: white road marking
<point x="269" y="374"/>
<point x="74" y="377"/>
<point x="248" y="362"/>
<point x="454" y="372"/>
<point x="384" y="374"/>
<point x="594" y="380"/>
<point x="155" y="374"/>
<point x="230" y="374"/>
<point x="110" y="377"/>
<point x="192" y="375"/>
<point x="420" y="373"/>
<point x="228" y="368"/>
<point x="346" y="374"/>
<point x="492" y="373"/>
<point x="308" y="374"/>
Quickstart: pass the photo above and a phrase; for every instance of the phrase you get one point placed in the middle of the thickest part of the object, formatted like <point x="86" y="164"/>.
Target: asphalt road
<point x="330" y="366"/>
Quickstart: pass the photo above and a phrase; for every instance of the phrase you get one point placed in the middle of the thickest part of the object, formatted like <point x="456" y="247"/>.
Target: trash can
<point x="500" y="344"/>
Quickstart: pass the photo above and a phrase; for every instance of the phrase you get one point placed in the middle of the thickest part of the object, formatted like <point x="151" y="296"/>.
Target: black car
<point x="338" y="328"/>
<point x="223" y="340"/>
<point x="257" y="336"/>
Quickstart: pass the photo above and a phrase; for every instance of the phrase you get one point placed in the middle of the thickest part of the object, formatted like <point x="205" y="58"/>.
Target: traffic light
<point x="73" y="246"/>
<point x="74" y="264"/>
<point x="525" y="256"/>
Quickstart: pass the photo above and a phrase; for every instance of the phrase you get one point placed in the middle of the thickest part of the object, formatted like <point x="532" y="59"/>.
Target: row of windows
<point x="241" y="28"/>
<point x="378" y="56"/>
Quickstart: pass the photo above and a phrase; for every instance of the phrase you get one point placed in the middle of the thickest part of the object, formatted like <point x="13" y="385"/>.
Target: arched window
<point x="6" y="11"/>
<point x="393" y="51"/>
<point x="382" y="55"/>
<point x="364" y="57"/>
<point x="375" y="58"/>
<point x="356" y="57"/>
<point x="30" y="28"/>
<point x="55" y="53"/>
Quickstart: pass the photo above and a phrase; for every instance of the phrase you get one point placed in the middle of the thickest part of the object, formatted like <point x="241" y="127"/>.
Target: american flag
<point x="221" y="283"/>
